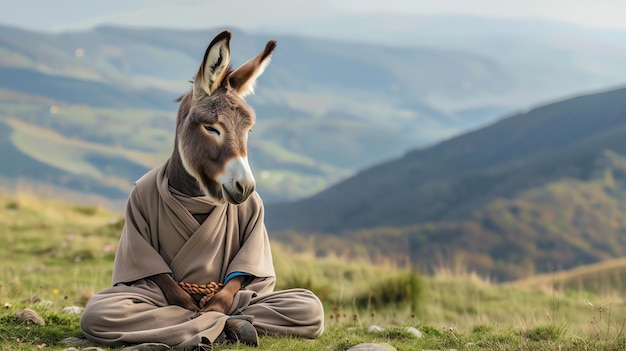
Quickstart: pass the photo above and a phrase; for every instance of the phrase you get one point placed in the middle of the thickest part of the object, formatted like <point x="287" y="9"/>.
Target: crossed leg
<point x="136" y="314"/>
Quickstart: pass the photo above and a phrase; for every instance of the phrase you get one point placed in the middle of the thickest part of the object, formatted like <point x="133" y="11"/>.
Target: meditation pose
<point x="194" y="266"/>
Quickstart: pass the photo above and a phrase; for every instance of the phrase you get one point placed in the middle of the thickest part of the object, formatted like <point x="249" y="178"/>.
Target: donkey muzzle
<point x="238" y="192"/>
<point x="237" y="181"/>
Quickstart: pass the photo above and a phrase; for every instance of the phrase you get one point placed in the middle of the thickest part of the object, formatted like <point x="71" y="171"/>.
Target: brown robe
<point x="162" y="236"/>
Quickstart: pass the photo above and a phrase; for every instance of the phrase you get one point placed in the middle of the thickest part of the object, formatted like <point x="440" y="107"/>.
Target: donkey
<point x="197" y="219"/>
<point x="210" y="156"/>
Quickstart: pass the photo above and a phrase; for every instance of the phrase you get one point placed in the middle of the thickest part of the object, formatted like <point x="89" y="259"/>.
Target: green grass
<point x="57" y="255"/>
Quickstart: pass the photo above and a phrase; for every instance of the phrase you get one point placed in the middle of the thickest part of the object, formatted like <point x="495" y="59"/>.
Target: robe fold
<point x="161" y="235"/>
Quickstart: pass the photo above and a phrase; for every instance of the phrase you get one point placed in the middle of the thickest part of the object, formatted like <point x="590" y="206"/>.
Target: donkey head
<point x="214" y="121"/>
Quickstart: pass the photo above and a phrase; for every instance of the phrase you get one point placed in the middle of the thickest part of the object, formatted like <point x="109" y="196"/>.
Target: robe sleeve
<point x="136" y="258"/>
<point x="236" y="274"/>
<point x="254" y="257"/>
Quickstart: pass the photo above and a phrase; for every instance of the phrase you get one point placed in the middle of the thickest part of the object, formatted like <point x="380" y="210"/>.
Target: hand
<point x="220" y="302"/>
<point x="183" y="299"/>
<point x="173" y="293"/>
<point x="223" y="299"/>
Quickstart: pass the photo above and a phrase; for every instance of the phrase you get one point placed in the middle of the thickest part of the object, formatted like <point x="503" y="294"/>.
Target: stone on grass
<point x="44" y="303"/>
<point x="71" y="349"/>
<point x="74" y="341"/>
<point x="374" y="329"/>
<point x="28" y="315"/>
<point x="92" y="348"/>
<point x="372" y="347"/>
<point x="414" y="332"/>
<point x="149" y="346"/>
<point x="72" y="310"/>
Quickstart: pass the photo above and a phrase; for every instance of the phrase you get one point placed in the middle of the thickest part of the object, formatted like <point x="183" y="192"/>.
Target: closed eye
<point x="210" y="129"/>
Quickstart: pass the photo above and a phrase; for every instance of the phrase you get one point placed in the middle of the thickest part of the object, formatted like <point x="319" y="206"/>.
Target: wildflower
<point x="55" y="291"/>
<point x="7" y="305"/>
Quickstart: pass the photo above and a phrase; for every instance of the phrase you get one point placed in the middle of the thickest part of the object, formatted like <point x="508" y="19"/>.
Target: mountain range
<point x="92" y="110"/>
<point x="555" y="58"/>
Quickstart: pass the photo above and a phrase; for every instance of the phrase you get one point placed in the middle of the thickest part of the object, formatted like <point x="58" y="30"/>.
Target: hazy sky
<point x="247" y="14"/>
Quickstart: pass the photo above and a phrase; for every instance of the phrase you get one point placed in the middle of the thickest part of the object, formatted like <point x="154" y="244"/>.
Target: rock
<point x="149" y="346"/>
<point x="74" y="341"/>
<point x="414" y="332"/>
<point x="372" y="347"/>
<point x="28" y="315"/>
<point x="92" y="348"/>
<point x="44" y="303"/>
<point x="374" y="329"/>
<point x="71" y="349"/>
<point x="72" y="310"/>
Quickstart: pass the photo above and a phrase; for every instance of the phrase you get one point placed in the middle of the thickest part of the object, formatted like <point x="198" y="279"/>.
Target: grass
<point x="56" y="255"/>
<point x="604" y="277"/>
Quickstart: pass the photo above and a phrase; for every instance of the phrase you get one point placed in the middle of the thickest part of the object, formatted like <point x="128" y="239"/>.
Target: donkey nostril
<point x="239" y="187"/>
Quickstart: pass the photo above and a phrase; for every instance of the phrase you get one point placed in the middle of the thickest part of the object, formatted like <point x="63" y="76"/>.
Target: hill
<point x="537" y="190"/>
<point x="603" y="278"/>
<point x="75" y="91"/>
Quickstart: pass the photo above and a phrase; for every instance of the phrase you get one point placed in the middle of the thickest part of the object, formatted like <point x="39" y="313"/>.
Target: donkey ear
<point x="214" y="67"/>
<point x="243" y="78"/>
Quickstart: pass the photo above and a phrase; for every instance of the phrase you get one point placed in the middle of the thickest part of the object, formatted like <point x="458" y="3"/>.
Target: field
<point x="56" y="255"/>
